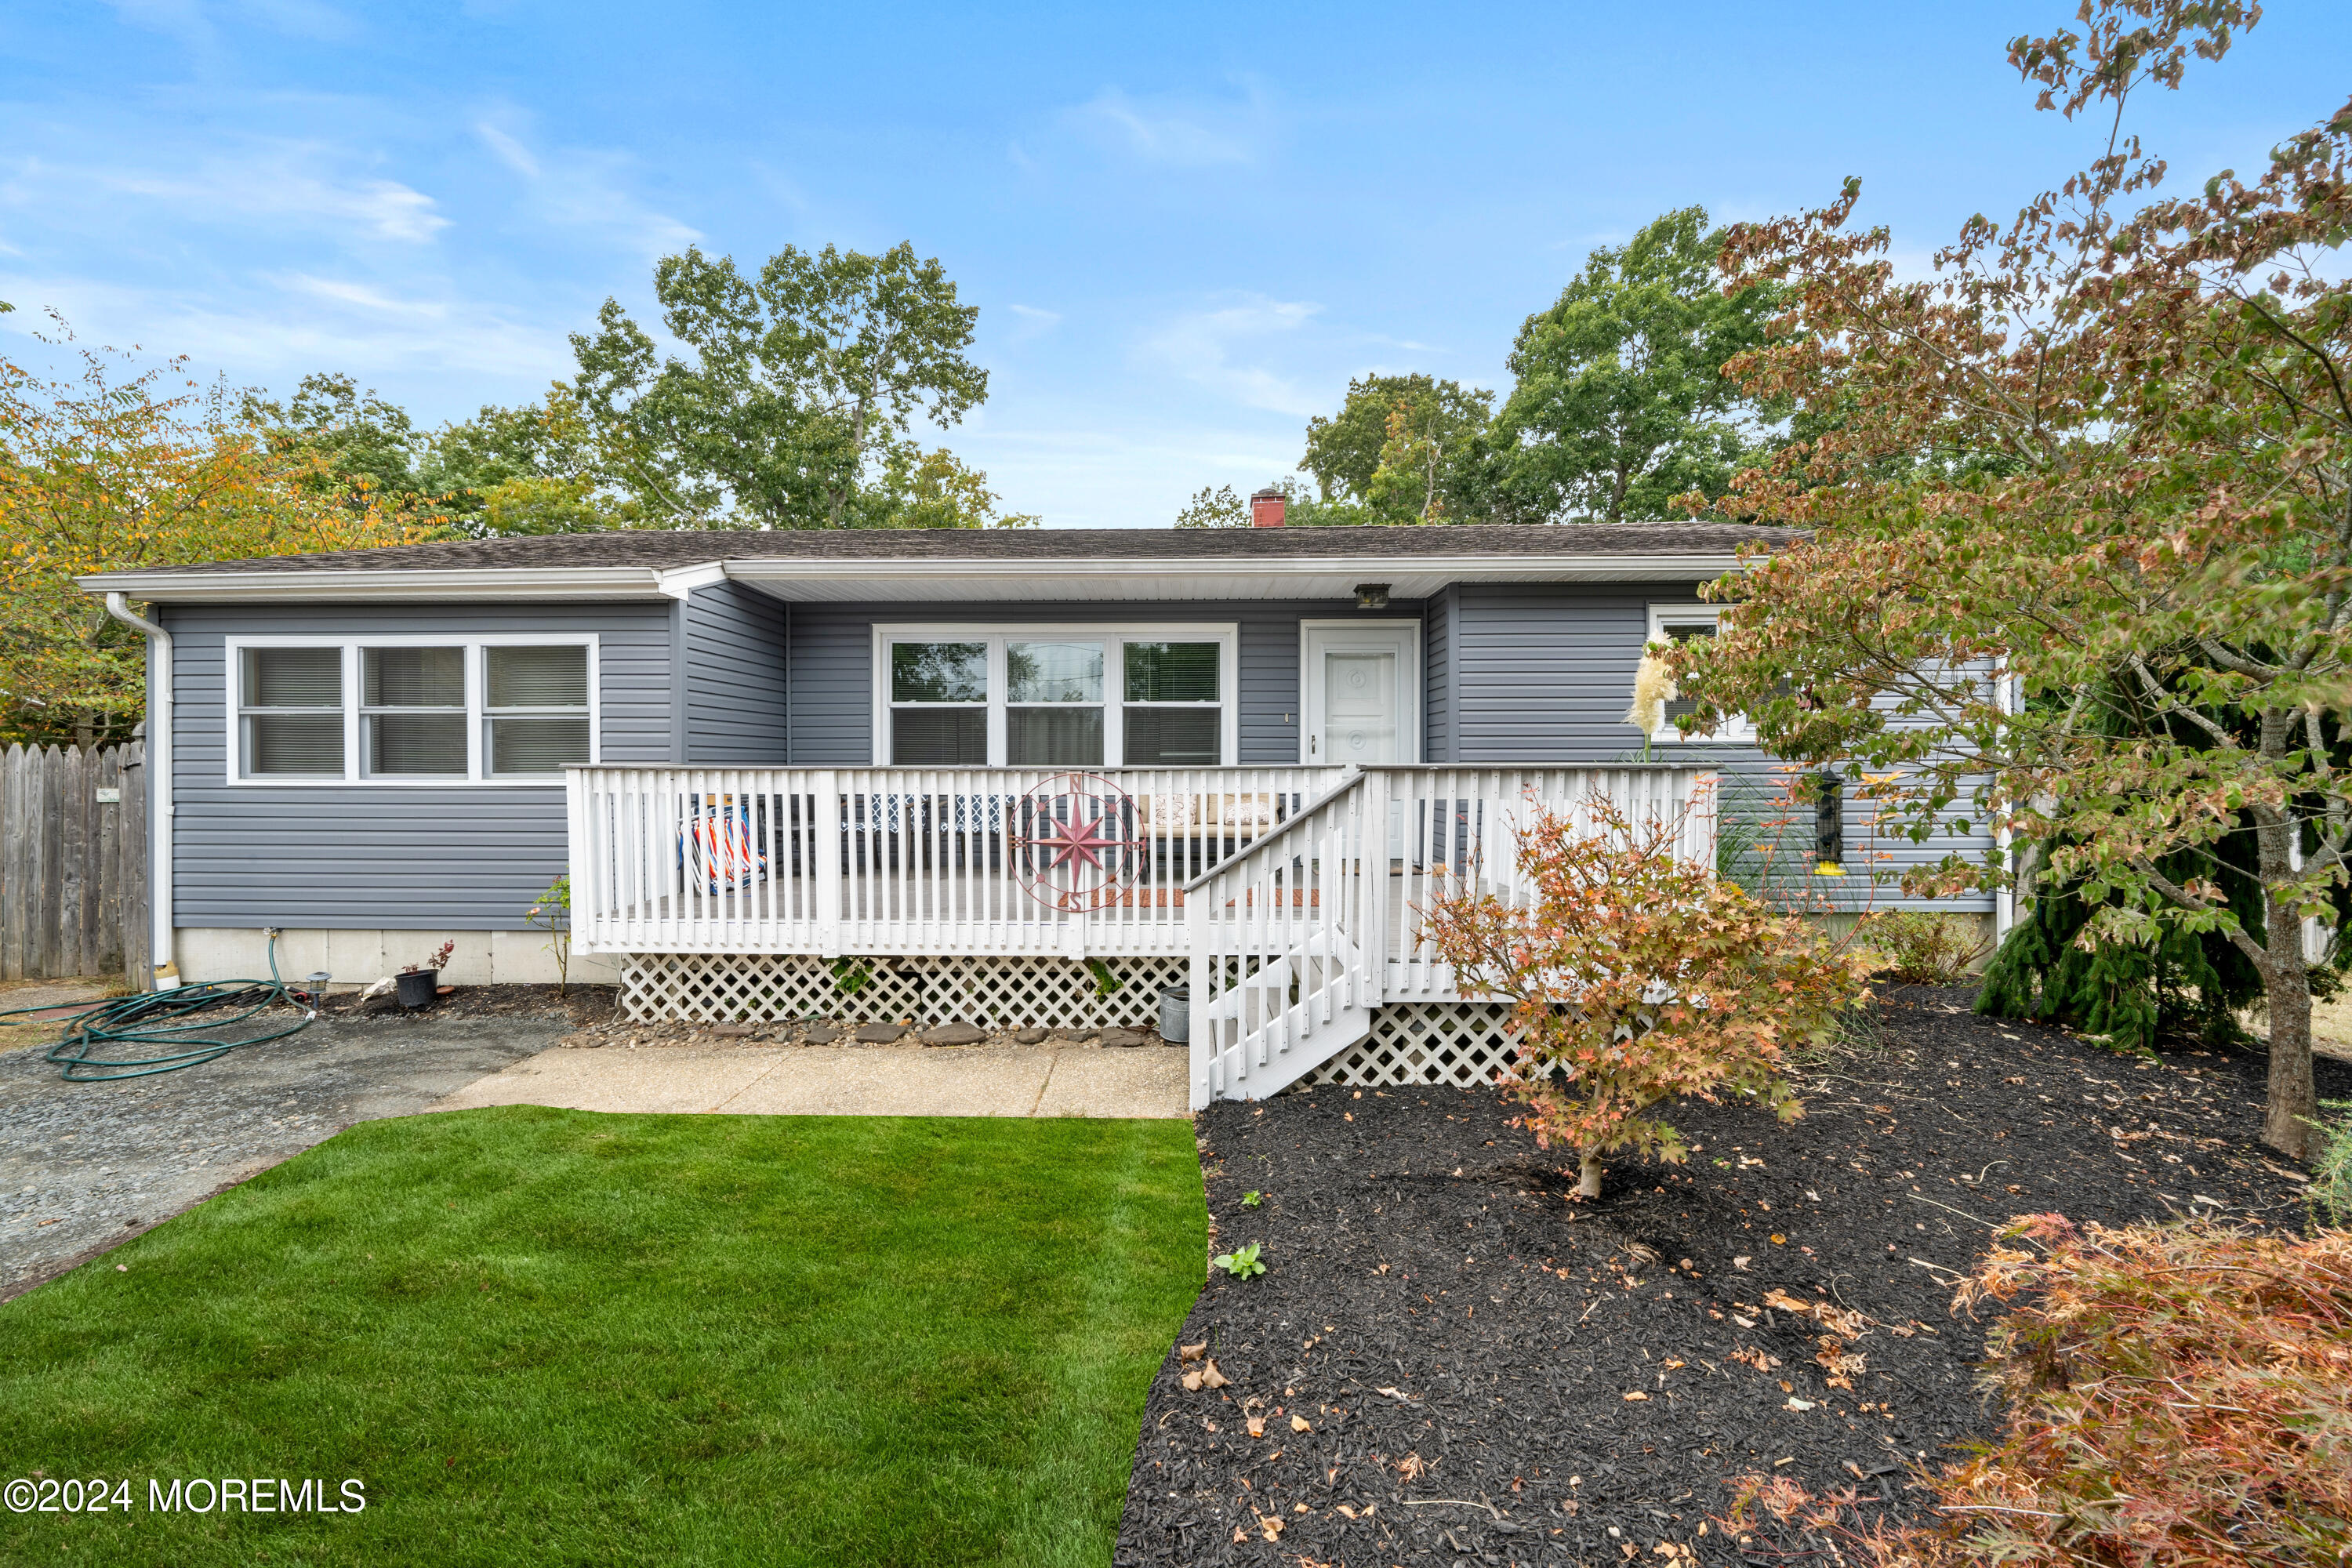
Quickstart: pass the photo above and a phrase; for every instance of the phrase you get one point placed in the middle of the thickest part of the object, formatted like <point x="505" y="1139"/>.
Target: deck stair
<point x="1289" y="946"/>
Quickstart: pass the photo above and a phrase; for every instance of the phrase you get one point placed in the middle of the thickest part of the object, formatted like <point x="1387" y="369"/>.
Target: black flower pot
<point x="416" y="987"/>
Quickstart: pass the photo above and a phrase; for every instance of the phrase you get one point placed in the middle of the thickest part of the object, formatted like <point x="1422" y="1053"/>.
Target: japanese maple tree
<point x="1636" y="977"/>
<point x="2080" y="565"/>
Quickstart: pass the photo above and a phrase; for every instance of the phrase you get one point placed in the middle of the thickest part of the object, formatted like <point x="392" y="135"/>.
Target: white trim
<point x="1411" y="681"/>
<point x="995" y="633"/>
<point x="680" y="584"/>
<point x="477" y="774"/>
<point x="1739" y="732"/>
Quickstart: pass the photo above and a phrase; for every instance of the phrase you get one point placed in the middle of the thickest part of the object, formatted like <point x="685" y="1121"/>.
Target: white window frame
<point x="1738" y="730"/>
<point x="1225" y="634"/>
<point x="477" y="774"/>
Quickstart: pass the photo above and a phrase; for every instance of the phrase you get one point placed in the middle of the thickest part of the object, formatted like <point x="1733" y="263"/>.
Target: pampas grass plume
<point x="1653" y="687"/>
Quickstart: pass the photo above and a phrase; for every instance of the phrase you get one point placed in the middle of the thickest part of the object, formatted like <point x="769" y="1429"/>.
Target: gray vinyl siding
<point x="362" y="857"/>
<point x="1438" y="708"/>
<point x="1544" y="672"/>
<point x="736" y="697"/>
<point x="832" y="663"/>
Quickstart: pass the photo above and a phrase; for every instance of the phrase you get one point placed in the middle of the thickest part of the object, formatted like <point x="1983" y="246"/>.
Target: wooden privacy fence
<point x="73" y="863"/>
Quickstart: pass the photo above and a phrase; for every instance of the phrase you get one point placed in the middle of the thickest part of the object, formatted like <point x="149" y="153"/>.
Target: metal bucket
<point x="1176" y="1013"/>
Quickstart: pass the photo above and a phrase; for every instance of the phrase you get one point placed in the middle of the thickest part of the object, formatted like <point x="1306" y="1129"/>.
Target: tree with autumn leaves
<point x="2079" y="503"/>
<point x="1636" y="977"/>
<point x="114" y="466"/>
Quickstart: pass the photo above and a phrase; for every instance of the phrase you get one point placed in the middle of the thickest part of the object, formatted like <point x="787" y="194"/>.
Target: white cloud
<point x="1212" y="348"/>
<point x="1181" y="136"/>
<point x="1029" y="321"/>
<point x="303" y="19"/>
<point x="580" y="188"/>
<point x="277" y="181"/>
<point x="511" y="153"/>
<point x="182" y="19"/>
<point x="298" y="323"/>
<point x="362" y="297"/>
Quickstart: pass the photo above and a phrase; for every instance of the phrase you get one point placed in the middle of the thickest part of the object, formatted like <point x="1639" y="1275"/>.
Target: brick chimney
<point x="1265" y="508"/>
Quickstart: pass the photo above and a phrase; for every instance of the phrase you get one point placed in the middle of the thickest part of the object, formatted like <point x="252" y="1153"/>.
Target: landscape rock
<point x="1032" y="1035"/>
<point x="879" y="1034"/>
<point x="1124" y="1037"/>
<point x="954" y="1035"/>
<point x="820" y="1034"/>
<point x="734" y="1031"/>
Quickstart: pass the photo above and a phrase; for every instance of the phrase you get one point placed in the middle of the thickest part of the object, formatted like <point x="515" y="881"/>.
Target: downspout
<point x="159" y="788"/>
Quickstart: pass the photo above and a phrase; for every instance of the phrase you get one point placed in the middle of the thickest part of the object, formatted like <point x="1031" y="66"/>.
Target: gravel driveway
<point x="85" y="1167"/>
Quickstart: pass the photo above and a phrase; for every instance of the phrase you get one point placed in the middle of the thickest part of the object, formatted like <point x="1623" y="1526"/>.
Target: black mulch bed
<point x="1462" y="1341"/>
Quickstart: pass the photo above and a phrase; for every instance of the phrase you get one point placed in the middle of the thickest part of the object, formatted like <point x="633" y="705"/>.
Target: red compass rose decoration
<point x="1075" y="844"/>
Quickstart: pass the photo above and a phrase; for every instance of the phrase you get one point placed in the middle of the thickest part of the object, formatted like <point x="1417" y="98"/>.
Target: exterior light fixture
<point x="1829" y="824"/>
<point x="1372" y="596"/>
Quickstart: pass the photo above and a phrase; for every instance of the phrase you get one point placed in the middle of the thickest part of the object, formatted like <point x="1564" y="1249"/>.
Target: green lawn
<point x="545" y="1336"/>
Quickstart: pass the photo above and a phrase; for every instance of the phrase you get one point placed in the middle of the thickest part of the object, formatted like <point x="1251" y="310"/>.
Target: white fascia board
<point x="440" y="583"/>
<point x="1412" y="576"/>
<point x="1407" y="577"/>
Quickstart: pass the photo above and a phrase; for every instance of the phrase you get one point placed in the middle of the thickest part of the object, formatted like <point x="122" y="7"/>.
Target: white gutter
<point x="159" y="788"/>
<point x="545" y="582"/>
<point x="342" y="583"/>
<point x="1366" y="568"/>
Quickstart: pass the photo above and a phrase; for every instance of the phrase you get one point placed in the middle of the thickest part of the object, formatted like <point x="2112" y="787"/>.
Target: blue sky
<point x="1185" y="228"/>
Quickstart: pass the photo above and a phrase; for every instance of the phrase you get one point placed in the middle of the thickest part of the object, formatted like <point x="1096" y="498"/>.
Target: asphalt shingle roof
<point x="665" y="551"/>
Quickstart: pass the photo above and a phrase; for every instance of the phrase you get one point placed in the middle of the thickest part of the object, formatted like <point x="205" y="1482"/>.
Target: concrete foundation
<point x="355" y="958"/>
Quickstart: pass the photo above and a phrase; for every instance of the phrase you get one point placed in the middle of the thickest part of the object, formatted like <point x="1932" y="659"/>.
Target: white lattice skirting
<point x="997" y="991"/>
<point x="1460" y="1044"/>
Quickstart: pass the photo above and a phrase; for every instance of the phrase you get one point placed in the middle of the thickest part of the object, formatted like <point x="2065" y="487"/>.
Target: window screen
<point x="939" y="704"/>
<point x="1054" y="693"/>
<point x="292" y="716"/>
<point x="535" y="700"/>
<point x="413" y="711"/>
<point x="1172" y="716"/>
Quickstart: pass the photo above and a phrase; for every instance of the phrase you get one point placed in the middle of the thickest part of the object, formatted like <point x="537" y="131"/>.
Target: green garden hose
<point x="155" y="1019"/>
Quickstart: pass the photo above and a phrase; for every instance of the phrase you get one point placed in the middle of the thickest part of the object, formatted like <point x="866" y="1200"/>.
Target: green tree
<point x="933" y="489"/>
<point x="1218" y="508"/>
<point x="364" y="445"/>
<point x="1621" y="404"/>
<point x="798" y="385"/>
<point x="115" y="467"/>
<point x="1397" y="448"/>
<point x="541" y="467"/>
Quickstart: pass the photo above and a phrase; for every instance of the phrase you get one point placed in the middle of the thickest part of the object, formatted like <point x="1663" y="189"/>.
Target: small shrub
<point x="2178" y="1396"/>
<point x="1250" y="1200"/>
<point x="1917" y="947"/>
<point x="1240" y="1264"/>
<point x="2331" y="1165"/>
<point x="1635" y="978"/>
<point x="552" y="913"/>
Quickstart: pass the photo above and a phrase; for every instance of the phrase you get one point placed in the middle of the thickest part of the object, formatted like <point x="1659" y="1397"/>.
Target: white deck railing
<point x="907" y="861"/>
<point x="1296" y="938"/>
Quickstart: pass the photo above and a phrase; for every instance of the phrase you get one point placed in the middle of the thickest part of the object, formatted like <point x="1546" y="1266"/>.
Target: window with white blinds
<point x="290" y="712"/>
<point x="538" y="709"/>
<point x="1688" y="623"/>
<point x="1052" y="696"/>
<point x="413" y="710"/>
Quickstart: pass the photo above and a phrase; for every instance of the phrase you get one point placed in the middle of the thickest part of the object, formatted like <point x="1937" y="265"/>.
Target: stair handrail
<point x="1351" y="779"/>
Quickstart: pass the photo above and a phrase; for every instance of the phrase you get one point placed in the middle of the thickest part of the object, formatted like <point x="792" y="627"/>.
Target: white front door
<point x="1358" y="702"/>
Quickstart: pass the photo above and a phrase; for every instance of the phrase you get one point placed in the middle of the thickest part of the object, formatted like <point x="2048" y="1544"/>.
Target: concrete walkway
<point x="816" y="1080"/>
